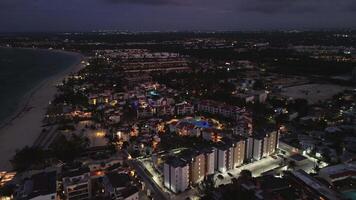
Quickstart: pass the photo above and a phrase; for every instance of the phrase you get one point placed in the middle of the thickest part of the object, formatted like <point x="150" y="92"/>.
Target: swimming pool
<point x="153" y="93"/>
<point x="201" y="123"/>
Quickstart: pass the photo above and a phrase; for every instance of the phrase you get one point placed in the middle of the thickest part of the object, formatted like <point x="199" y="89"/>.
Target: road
<point x="259" y="167"/>
<point x="158" y="193"/>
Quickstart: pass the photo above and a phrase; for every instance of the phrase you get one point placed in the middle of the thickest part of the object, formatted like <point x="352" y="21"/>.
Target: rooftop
<point x="297" y="157"/>
<point x="39" y="184"/>
<point x="119" y="180"/>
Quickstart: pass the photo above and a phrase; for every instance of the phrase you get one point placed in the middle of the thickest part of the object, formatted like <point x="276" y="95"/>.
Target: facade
<point x="224" y="110"/>
<point x="165" y="110"/>
<point x="239" y="153"/>
<point x="119" y="187"/>
<point x="144" y="112"/>
<point x="249" y="148"/>
<point x="77" y="184"/>
<point x="340" y="172"/>
<point x="176" y="175"/>
<point x="42" y="186"/>
<point x="213" y="135"/>
<point x="189" y="168"/>
<point x="263" y="145"/>
<point x="197" y="168"/>
<point x="184" y="108"/>
<point x="224" y="157"/>
<point x="258" y="148"/>
<point x="309" y="187"/>
<point x="209" y="161"/>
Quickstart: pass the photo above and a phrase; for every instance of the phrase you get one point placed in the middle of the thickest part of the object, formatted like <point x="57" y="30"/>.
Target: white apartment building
<point x="176" y="175"/>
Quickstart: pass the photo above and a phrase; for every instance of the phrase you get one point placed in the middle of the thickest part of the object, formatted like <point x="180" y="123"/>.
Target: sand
<point x="25" y="125"/>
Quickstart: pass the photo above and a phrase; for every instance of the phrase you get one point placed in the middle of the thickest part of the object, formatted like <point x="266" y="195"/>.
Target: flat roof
<point x="298" y="157"/>
<point x="119" y="180"/>
<point x="41" y="184"/>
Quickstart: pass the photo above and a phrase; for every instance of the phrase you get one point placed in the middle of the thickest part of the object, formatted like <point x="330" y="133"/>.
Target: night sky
<point x="171" y="15"/>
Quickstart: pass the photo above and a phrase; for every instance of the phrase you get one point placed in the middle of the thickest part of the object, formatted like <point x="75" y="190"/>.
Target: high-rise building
<point x="239" y="152"/>
<point x="176" y="175"/>
<point x="263" y="145"/>
<point x="249" y="148"/>
<point x="209" y="161"/>
<point x="258" y="148"/>
<point x="221" y="157"/>
<point x="197" y="168"/>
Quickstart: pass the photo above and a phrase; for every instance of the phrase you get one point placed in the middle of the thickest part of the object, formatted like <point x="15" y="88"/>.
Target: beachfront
<point x="25" y="125"/>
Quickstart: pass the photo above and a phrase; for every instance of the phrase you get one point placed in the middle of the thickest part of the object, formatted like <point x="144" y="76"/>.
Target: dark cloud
<point x="174" y="14"/>
<point x="294" y="6"/>
<point x="148" y="2"/>
<point x="275" y="6"/>
<point x="351" y="6"/>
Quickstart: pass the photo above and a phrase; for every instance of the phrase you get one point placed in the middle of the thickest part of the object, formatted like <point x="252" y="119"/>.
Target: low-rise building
<point x="184" y="108"/>
<point x="339" y="172"/>
<point x="42" y="186"/>
<point x="77" y="183"/>
<point x="119" y="187"/>
<point x="309" y="187"/>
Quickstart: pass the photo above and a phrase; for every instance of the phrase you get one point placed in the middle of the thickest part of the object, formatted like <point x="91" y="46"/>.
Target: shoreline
<point x="27" y="120"/>
<point x="29" y="94"/>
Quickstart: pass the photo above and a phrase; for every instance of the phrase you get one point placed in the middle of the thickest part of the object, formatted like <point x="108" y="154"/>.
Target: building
<point x="298" y="159"/>
<point x="184" y="108"/>
<point x="77" y="183"/>
<point x="211" y="134"/>
<point x="144" y="112"/>
<point x="253" y="96"/>
<point x="98" y="167"/>
<point x="239" y="148"/>
<point x="222" y="158"/>
<point x="224" y="110"/>
<point x="258" y="148"/>
<point x="176" y="175"/>
<point x="164" y="110"/>
<point x="42" y="186"/>
<point x="229" y="154"/>
<point x="309" y="187"/>
<point x="263" y="145"/>
<point x="119" y="187"/>
<point x="267" y="187"/>
<point x="249" y="148"/>
<point x="209" y="161"/>
<point x="338" y="173"/>
<point x="197" y="166"/>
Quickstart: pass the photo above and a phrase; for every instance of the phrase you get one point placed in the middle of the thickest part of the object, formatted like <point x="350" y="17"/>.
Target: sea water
<point x="21" y="70"/>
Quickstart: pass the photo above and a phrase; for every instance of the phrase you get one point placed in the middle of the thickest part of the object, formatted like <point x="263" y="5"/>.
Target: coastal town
<point x="193" y="116"/>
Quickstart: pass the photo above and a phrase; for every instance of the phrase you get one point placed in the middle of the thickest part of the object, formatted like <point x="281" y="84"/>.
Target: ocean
<point x="21" y="70"/>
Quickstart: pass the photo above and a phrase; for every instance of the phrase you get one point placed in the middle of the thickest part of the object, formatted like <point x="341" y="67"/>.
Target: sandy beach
<point x="25" y="125"/>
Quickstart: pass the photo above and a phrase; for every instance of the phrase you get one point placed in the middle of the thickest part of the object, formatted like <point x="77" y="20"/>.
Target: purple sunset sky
<point x="169" y="15"/>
